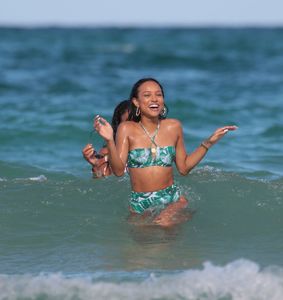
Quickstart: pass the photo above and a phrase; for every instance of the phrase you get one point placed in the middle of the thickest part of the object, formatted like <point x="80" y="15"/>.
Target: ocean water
<point x="67" y="236"/>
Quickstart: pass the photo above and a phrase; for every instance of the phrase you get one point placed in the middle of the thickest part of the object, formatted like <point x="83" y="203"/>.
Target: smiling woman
<point x="149" y="144"/>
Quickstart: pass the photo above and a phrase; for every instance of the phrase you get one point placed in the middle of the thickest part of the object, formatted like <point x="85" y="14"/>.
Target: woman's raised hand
<point x="103" y="128"/>
<point x="218" y="134"/>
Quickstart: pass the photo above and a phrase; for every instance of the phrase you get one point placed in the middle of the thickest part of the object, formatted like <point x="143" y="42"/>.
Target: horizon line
<point x="147" y="25"/>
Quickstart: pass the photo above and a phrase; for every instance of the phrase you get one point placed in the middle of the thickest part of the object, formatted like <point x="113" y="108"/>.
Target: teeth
<point x="153" y="106"/>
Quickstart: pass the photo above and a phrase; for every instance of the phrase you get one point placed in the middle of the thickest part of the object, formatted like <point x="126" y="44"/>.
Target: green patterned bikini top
<point x="142" y="157"/>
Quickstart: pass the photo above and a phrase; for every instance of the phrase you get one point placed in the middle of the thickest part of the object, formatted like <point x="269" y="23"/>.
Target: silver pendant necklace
<point x="153" y="146"/>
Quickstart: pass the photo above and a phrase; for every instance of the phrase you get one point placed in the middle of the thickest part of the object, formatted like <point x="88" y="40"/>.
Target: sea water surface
<point x="65" y="235"/>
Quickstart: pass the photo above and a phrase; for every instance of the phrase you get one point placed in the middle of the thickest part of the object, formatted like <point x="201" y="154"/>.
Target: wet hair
<point x="134" y="94"/>
<point x="120" y="109"/>
<point x="135" y="88"/>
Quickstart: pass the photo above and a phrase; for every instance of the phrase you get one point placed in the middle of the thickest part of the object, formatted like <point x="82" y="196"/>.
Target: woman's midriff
<point x="151" y="179"/>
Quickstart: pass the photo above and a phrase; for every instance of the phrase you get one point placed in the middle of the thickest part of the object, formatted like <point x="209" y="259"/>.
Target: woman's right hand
<point x="103" y="128"/>
<point x="88" y="154"/>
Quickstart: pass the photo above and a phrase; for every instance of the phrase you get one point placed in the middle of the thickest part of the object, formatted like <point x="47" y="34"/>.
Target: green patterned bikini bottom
<point x="151" y="200"/>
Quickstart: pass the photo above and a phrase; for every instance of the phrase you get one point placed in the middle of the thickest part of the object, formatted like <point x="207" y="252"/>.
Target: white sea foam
<point x="238" y="280"/>
<point x="39" y="178"/>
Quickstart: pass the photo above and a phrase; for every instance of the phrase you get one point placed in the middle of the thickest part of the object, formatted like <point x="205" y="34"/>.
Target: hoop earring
<point x="138" y="111"/>
<point x="163" y="113"/>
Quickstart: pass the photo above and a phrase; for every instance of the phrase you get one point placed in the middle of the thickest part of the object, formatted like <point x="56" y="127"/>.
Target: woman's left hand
<point x="219" y="133"/>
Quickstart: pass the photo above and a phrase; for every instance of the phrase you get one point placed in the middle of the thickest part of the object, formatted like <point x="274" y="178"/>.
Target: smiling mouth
<point x="154" y="106"/>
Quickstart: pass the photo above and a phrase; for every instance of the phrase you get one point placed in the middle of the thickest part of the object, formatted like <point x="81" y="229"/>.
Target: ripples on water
<point x="55" y="218"/>
<point x="53" y="81"/>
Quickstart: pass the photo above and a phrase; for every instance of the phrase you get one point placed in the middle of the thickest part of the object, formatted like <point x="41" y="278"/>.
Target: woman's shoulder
<point x="172" y="123"/>
<point x="127" y="126"/>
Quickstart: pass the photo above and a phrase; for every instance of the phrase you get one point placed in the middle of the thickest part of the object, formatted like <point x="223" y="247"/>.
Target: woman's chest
<point x="142" y="140"/>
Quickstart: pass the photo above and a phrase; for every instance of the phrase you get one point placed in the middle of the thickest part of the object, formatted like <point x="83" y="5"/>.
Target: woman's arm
<point x="88" y="154"/>
<point x="117" y="154"/>
<point x="186" y="162"/>
<point x="99" y="161"/>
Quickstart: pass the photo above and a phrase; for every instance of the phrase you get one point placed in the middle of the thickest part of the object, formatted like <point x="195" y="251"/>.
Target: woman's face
<point x="150" y="99"/>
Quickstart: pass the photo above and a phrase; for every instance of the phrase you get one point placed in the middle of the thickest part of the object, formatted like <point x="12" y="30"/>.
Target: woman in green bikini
<point x="149" y="144"/>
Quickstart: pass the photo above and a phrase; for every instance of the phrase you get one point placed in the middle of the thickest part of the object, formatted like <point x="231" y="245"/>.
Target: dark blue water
<point x="66" y="236"/>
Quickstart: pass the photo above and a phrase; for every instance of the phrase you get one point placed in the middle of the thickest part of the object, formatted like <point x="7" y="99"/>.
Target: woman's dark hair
<point x="134" y="94"/>
<point x="120" y="109"/>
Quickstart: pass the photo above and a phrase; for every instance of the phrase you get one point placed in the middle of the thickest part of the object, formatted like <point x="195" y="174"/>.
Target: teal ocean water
<point x="67" y="236"/>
